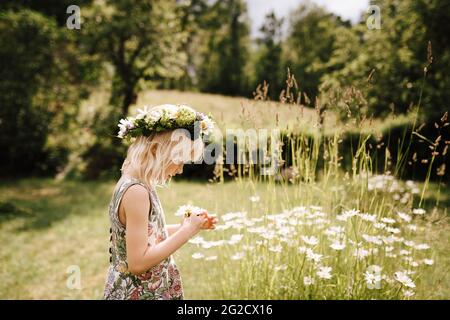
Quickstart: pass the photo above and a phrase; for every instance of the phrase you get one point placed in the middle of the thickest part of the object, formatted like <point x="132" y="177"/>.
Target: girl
<point x="141" y="262"/>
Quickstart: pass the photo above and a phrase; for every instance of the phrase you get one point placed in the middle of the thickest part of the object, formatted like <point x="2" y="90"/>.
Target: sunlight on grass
<point x="69" y="226"/>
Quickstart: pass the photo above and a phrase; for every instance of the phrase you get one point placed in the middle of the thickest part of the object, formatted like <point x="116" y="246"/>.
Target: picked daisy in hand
<point x="187" y="210"/>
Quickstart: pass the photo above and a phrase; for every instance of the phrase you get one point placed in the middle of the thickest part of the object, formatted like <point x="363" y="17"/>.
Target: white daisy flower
<point x="368" y="217"/>
<point x="393" y="230"/>
<point x="379" y="225"/>
<point x="235" y="238"/>
<point x="280" y="267"/>
<point x="388" y="220"/>
<point x="277" y="248"/>
<point x="409" y="243"/>
<point x="324" y="272"/>
<point x="404" y="252"/>
<point x="404" y="216"/>
<point x="197" y="255"/>
<point x="237" y="256"/>
<point x="428" y="262"/>
<point x="404" y="279"/>
<point x="307" y="281"/>
<point x="254" y="198"/>
<point x="310" y="240"/>
<point x="311" y="256"/>
<point x="197" y="240"/>
<point x="372" y="239"/>
<point x="373" y="277"/>
<point x="361" y="253"/>
<point x="206" y="125"/>
<point x="337" y="245"/>
<point x="408" y="293"/>
<point x="419" y="211"/>
<point x="422" y="246"/>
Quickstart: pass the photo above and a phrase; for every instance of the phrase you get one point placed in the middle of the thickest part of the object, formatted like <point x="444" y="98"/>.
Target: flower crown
<point x="164" y="118"/>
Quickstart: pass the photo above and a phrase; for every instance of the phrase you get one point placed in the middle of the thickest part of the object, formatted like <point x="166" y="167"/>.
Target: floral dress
<point x="162" y="281"/>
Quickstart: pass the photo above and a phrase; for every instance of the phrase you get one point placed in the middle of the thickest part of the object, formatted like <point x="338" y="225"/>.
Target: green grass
<point x="47" y="226"/>
<point x="228" y="112"/>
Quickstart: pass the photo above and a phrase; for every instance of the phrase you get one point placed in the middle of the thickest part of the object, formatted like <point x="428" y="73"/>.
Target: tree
<point x="41" y="81"/>
<point x="222" y="67"/>
<point x="141" y="39"/>
<point x="309" y="45"/>
<point x="193" y="24"/>
<point x="396" y="56"/>
<point x="268" y="65"/>
<point x="54" y="9"/>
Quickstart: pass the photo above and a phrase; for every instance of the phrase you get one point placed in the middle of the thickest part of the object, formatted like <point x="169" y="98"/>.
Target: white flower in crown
<point x="125" y="125"/>
<point x="170" y="110"/>
<point x="164" y="117"/>
<point x="142" y="113"/>
<point x="206" y="125"/>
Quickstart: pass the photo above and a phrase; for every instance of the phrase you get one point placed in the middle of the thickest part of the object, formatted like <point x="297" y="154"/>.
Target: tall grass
<point x="340" y="234"/>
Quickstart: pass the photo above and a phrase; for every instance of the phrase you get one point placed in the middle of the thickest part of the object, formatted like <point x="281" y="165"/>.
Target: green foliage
<point x="55" y="9"/>
<point x="141" y="39"/>
<point x="396" y="56"/>
<point x="35" y="85"/>
<point x="268" y="65"/>
<point x="310" y="43"/>
<point x="224" y="49"/>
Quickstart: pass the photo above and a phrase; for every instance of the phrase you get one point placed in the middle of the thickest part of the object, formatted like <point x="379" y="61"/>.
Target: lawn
<point x="47" y="226"/>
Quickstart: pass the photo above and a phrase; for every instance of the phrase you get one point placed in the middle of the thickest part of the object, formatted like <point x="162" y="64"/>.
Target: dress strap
<point x="118" y="195"/>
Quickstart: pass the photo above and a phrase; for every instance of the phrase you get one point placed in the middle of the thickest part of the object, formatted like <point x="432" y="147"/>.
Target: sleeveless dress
<point x="161" y="282"/>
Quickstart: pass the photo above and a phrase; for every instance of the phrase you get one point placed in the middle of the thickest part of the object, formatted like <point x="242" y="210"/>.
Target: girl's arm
<point x="140" y="255"/>
<point x="172" y="228"/>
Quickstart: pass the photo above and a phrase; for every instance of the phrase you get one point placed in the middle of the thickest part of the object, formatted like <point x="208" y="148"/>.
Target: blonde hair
<point x="149" y="157"/>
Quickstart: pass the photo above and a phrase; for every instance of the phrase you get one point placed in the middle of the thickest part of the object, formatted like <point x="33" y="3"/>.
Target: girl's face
<point x="174" y="169"/>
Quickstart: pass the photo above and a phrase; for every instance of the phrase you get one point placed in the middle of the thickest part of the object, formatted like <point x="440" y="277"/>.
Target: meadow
<point x="321" y="234"/>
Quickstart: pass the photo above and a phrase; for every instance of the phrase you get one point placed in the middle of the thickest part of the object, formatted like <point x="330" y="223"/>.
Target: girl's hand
<point x="210" y="222"/>
<point x="194" y="223"/>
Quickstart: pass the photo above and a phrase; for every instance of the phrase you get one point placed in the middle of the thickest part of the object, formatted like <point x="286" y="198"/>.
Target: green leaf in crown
<point x="163" y="118"/>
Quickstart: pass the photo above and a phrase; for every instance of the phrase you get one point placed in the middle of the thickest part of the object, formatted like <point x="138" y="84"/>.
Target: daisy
<point x="404" y="216"/>
<point x="197" y="255"/>
<point x="368" y="217"/>
<point x="373" y="277"/>
<point x="361" y="253"/>
<point x="422" y="246"/>
<point x="337" y="245"/>
<point x="237" y="256"/>
<point x="428" y="262"/>
<point x="307" y="281"/>
<point x="408" y="293"/>
<point x="311" y="256"/>
<point x="276" y="248"/>
<point x="197" y="240"/>
<point x="210" y="258"/>
<point x="393" y="230"/>
<point x="280" y="267"/>
<point x="372" y="239"/>
<point x="419" y="211"/>
<point x="404" y="279"/>
<point x="388" y="220"/>
<point x="324" y="272"/>
<point x="235" y="238"/>
<point x="310" y="240"/>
